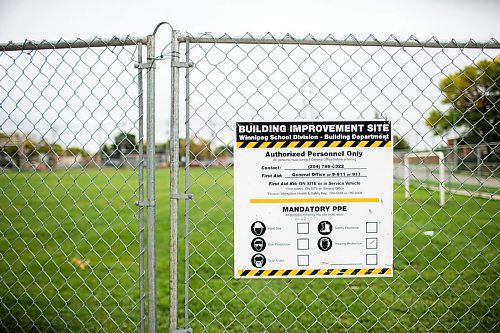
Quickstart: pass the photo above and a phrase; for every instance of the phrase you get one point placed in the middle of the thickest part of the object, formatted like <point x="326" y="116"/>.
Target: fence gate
<point x="72" y="174"/>
<point x="445" y="258"/>
<point x="74" y="210"/>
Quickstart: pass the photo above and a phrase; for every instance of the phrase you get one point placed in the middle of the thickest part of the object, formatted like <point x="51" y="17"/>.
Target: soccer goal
<point x="421" y="156"/>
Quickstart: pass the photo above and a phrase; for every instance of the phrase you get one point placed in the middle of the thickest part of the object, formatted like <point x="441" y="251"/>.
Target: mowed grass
<point x="50" y="223"/>
<point x="444" y="282"/>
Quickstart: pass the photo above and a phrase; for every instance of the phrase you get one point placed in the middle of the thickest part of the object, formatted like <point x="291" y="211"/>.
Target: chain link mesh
<point x="445" y="258"/>
<point x="69" y="161"/>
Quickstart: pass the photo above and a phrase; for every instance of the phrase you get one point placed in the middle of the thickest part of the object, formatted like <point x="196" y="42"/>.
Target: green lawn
<point x="447" y="282"/>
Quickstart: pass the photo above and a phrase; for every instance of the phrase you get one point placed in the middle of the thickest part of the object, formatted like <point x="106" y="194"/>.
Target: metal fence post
<point x="174" y="178"/>
<point x="141" y="188"/>
<point x="151" y="186"/>
<point x="186" y="215"/>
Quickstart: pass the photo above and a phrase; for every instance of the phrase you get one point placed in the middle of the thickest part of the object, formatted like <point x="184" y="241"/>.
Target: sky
<point x="445" y="19"/>
<point x="70" y="19"/>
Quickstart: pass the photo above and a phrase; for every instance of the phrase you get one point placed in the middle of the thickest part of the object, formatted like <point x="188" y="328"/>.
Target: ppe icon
<point x="258" y="260"/>
<point x="324" y="243"/>
<point x="258" y="228"/>
<point x="258" y="244"/>
<point x="324" y="227"/>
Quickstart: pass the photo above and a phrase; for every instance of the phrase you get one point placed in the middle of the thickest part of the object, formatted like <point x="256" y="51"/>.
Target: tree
<point x="199" y="149"/>
<point x="473" y="99"/>
<point x="400" y="143"/>
<point x="105" y="151"/>
<point x="74" y="151"/>
<point x="125" y="142"/>
<point x="7" y="145"/>
<point x="224" y="151"/>
<point x="43" y="147"/>
<point x="50" y="151"/>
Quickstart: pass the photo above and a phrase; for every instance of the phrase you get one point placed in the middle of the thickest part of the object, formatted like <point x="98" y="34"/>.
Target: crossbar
<point x="330" y="40"/>
<point x="29" y="45"/>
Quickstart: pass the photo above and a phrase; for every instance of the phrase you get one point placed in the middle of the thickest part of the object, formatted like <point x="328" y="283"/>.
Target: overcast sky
<point x="69" y="19"/>
<point x="51" y="19"/>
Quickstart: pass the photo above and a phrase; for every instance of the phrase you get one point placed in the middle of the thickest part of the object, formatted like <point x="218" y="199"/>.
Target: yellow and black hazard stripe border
<point x="313" y="144"/>
<point x="348" y="272"/>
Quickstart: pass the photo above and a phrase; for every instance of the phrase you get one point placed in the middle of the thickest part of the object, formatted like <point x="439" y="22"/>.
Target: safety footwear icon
<point x="325" y="227"/>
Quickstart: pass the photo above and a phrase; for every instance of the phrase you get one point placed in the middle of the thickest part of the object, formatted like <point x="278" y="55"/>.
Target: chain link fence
<point x="440" y="96"/>
<point x="71" y="173"/>
<point x="74" y="154"/>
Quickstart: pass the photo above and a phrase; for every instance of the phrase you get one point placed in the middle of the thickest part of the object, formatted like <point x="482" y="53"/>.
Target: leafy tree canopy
<point x="125" y="141"/>
<point x="400" y="143"/>
<point x="224" y="151"/>
<point x="473" y="99"/>
<point x="199" y="148"/>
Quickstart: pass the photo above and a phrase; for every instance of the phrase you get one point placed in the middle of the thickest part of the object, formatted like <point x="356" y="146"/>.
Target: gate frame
<point x="177" y="40"/>
<point x="150" y="202"/>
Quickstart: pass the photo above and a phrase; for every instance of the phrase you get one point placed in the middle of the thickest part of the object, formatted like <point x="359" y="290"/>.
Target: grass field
<point x="49" y="221"/>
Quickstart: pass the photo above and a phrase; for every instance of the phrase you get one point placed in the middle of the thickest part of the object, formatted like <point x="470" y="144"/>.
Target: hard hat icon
<point x="258" y="228"/>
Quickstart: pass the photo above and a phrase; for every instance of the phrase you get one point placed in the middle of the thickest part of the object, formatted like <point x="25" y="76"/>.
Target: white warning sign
<point x="313" y="199"/>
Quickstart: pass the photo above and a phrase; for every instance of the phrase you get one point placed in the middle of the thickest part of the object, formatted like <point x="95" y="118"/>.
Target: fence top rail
<point x="391" y="41"/>
<point x="29" y="45"/>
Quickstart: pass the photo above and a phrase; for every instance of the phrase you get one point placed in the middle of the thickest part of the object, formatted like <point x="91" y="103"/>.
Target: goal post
<point x="406" y="165"/>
